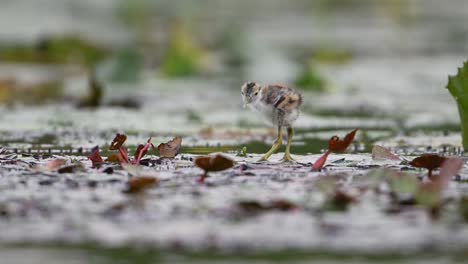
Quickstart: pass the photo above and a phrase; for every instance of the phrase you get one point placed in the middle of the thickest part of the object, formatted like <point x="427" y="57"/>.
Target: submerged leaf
<point x="170" y="149"/>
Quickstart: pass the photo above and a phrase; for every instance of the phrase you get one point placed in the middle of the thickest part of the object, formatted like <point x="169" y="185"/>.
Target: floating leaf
<point x="428" y="161"/>
<point x="118" y="141"/>
<point x="95" y="157"/>
<point x="170" y="149"/>
<point x="381" y="153"/>
<point x="213" y="163"/>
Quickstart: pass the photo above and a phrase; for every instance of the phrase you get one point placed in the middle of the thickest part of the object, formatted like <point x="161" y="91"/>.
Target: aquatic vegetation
<point x="212" y="164"/>
<point x="458" y="87"/>
<point x="429" y="162"/>
<point x="337" y="145"/>
<point x="183" y="56"/>
<point x="170" y="149"/>
<point x="381" y="153"/>
<point x="126" y="65"/>
<point x="55" y="49"/>
<point x="12" y="91"/>
<point x="310" y="79"/>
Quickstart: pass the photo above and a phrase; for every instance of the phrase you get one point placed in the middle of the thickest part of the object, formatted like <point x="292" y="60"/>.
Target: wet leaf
<point x="95" y="157"/>
<point x="213" y="163"/>
<point x="118" y="141"/>
<point x="381" y="153"/>
<point x="170" y="149"/>
<point x="139" y="184"/>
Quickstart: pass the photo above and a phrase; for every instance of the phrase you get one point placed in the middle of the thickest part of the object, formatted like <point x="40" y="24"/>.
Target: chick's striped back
<point x="281" y="97"/>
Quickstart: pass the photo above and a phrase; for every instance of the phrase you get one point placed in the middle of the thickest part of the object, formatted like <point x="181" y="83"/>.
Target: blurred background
<point x="72" y="73"/>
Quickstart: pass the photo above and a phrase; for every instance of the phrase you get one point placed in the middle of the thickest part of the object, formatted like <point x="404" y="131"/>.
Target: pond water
<point x="390" y="85"/>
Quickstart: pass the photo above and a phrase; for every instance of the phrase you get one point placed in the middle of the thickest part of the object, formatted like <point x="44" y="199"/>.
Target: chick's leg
<point x="287" y="154"/>
<point x="276" y="145"/>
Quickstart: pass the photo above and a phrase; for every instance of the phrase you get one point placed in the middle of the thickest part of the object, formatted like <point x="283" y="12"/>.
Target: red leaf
<point x="318" y="165"/>
<point x="141" y="151"/>
<point x="95" y="157"/>
<point x="123" y="156"/>
<point x="337" y="145"/>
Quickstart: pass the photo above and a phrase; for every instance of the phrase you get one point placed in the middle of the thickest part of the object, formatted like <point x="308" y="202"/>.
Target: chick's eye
<point x="256" y="93"/>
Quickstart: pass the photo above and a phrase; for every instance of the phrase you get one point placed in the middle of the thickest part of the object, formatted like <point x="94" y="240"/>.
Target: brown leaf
<point x="381" y="153"/>
<point x="118" y="141"/>
<point x="337" y="145"/>
<point x="141" y="183"/>
<point x="213" y="163"/>
<point x="216" y="163"/>
<point x="428" y="161"/>
<point x="114" y="158"/>
<point x="253" y="207"/>
<point x="170" y="149"/>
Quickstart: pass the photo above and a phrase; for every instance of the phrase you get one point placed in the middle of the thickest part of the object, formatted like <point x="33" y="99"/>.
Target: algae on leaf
<point x="458" y="87"/>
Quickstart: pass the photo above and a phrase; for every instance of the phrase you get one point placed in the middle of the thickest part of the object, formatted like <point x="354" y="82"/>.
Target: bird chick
<point x="279" y="105"/>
